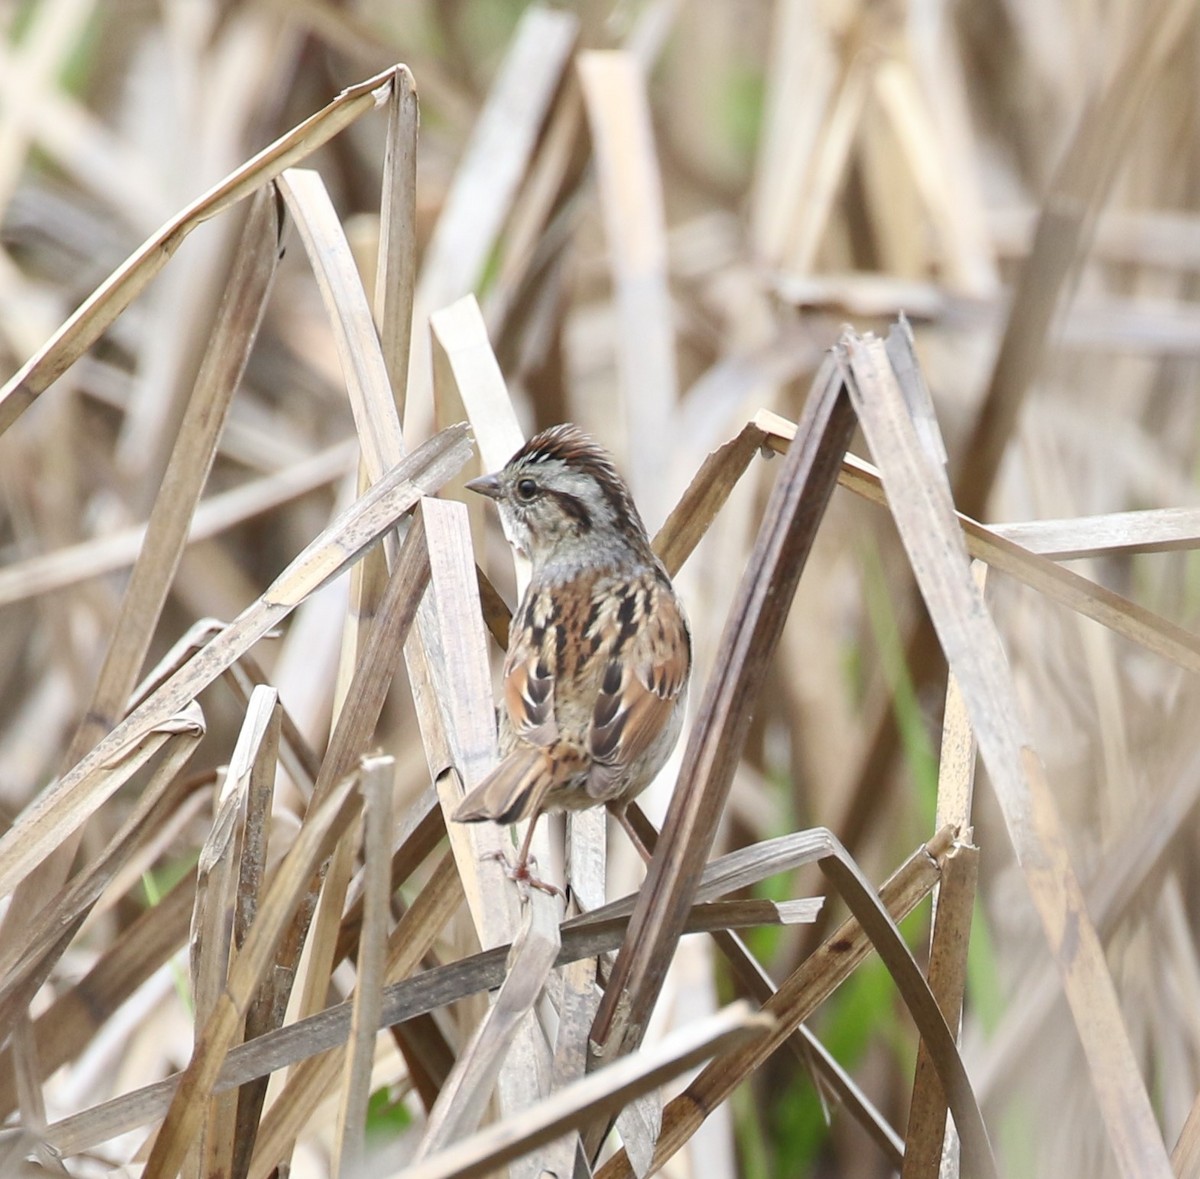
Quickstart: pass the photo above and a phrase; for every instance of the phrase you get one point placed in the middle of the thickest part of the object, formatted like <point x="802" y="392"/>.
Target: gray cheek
<point x="516" y="531"/>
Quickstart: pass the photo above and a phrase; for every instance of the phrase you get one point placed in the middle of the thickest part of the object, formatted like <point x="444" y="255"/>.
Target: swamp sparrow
<point x="599" y="652"/>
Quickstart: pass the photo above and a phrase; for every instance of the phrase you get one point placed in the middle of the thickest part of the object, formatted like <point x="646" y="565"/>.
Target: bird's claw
<point x="521" y="875"/>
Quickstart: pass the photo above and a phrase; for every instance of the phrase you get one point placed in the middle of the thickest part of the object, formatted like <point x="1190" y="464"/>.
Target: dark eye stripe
<point x="570" y="446"/>
<point x="575" y="508"/>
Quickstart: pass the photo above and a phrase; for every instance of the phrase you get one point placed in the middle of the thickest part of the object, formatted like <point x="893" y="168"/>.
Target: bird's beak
<point x="488" y="485"/>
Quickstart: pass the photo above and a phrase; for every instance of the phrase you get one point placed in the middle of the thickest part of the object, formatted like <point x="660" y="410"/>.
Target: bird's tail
<point x="512" y="791"/>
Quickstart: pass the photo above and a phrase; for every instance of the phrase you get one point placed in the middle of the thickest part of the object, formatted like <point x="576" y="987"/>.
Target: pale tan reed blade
<point x="1091" y="599"/>
<point x="296" y="755"/>
<point x="793" y="1002"/>
<point x="83" y="328"/>
<point x="463" y="336"/>
<point x="350" y="1137"/>
<point x="926" y="1133"/>
<point x="217" y="873"/>
<point x="31" y="1104"/>
<point x="1155" y="530"/>
<point x="929" y="1139"/>
<point x="585" y="860"/>
<point x="494" y="162"/>
<point x="306" y="955"/>
<point x="461" y="340"/>
<point x="215" y="931"/>
<point x="1185" y="1158"/>
<point x="921" y="505"/>
<point x="349" y="312"/>
<point x="194" y="639"/>
<point x="396" y="268"/>
<point x="462" y="698"/>
<point x="631" y="199"/>
<point x="705" y="496"/>
<point x="461" y="1103"/>
<point x="601" y="1092"/>
<point x="368" y="387"/>
<point x="322" y="828"/>
<point x="85" y="787"/>
<point x="214" y="515"/>
<point x="259" y="763"/>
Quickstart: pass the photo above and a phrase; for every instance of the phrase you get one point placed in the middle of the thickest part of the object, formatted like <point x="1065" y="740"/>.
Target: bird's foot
<point x="520" y="873"/>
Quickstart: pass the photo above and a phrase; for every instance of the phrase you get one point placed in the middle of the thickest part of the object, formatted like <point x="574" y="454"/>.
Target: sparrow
<point x="599" y="652"/>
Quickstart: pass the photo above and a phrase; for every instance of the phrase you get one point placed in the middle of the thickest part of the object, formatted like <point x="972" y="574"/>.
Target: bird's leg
<point x="522" y="866"/>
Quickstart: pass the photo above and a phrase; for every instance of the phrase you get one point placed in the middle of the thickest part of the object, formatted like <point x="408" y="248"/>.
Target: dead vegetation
<point x="249" y="619"/>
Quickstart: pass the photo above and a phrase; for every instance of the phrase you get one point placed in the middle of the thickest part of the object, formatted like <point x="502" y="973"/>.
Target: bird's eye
<point x="526" y="489"/>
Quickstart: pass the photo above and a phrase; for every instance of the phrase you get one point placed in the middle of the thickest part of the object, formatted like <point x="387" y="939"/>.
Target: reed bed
<point x="887" y="313"/>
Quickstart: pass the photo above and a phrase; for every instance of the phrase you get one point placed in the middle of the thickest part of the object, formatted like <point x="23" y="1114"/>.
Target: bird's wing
<point x="536" y="759"/>
<point x="529" y="672"/>
<point x="640" y="689"/>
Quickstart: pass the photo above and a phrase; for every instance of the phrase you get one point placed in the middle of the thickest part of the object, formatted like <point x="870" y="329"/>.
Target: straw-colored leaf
<point x="86" y="786"/>
<point x="356" y="1087"/>
<point x="793" y="1002"/>
<point x="85" y="326"/>
<point x="920" y="499"/>
<point x="321" y="830"/>
<point x="614" y="92"/>
<point x="599" y="1092"/>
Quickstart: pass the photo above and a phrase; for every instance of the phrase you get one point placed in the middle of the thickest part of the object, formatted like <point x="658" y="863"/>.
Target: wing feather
<point x="529" y="673"/>
<point x="639" y="693"/>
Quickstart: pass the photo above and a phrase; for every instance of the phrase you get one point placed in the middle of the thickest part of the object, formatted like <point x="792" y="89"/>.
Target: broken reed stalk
<point x="795" y="510"/>
<point x="146" y="593"/>
<point x="1065" y="221"/>
<point x="108" y="301"/>
<point x="797" y="997"/>
<point x="882" y="378"/>
<point x="87" y="785"/>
